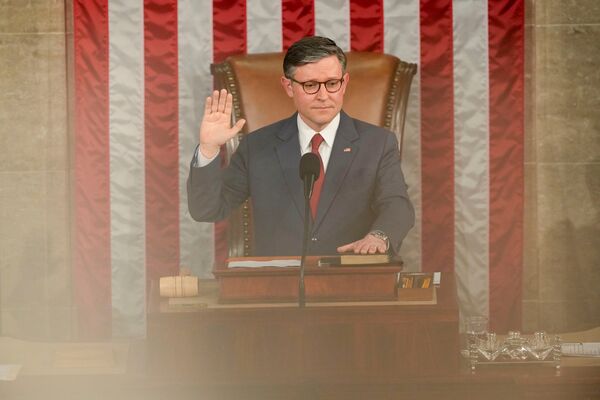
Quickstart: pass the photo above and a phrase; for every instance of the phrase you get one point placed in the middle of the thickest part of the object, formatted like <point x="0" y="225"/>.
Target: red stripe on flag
<point x="161" y="137"/>
<point x="229" y="28"/>
<point x="229" y="38"/>
<point x="437" y="135"/>
<point x="91" y="228"/>
<point x="506" y="53"/>
<point x="298" y="20"/>
<point x="366" y="25"/>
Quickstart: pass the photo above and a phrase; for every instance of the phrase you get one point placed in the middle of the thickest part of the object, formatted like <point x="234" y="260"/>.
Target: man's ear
<point x="287" y="86"/>
<point x="346" y="77"/>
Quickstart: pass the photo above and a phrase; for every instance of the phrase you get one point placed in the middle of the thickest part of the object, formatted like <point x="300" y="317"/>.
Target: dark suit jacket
<point x="364" y="188"/>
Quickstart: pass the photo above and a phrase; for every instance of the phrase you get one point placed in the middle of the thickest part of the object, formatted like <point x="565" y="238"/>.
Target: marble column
<point x="35" y="276"/>
<point x="562" y="166"/>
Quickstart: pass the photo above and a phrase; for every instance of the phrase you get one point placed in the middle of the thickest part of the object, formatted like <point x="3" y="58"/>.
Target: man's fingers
<point x="239" y="125"/>
<point x="208" y="105"/>
<point x="215" y="101"/>
<point x="376" y="248"/>
<point x="223" y="98"/>
<point x="369" y="249"/>
<point x="363" y="246"/>
<point x="345" y="248"/>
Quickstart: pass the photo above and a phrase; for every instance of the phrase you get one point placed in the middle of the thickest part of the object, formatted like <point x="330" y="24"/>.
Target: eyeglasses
<point x="312" y="87"/>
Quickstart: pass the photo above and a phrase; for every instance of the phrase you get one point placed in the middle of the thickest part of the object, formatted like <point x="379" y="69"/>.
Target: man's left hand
<point x="367" y="245"/>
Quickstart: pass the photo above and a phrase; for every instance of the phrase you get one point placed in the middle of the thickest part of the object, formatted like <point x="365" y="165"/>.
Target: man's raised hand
<point x="216" y="129"/>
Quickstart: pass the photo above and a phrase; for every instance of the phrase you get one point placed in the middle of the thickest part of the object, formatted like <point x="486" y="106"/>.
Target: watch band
<point x="381" y="235"/>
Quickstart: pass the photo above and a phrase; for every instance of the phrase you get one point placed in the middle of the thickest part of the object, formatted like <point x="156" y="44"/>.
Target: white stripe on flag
<point x="402" y="39"/>
<point x="332" y="20"/>
<point x="127" y="190"/>
<point x="195" y="84"/>
<point x="471" y="133"/>
<point x="263" y="26"/>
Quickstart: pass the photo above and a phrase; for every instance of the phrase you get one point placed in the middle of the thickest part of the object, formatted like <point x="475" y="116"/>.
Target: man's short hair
<point x="308" y="50"/>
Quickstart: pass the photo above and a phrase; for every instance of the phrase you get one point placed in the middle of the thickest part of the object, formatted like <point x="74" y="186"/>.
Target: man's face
<point x="318" y="109"/>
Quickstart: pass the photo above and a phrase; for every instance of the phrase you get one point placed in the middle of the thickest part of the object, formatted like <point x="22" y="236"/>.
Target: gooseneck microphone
<point x="310" y="167"/>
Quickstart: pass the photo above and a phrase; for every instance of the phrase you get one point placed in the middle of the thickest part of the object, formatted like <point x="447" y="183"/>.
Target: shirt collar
<point x="306" y="133"/>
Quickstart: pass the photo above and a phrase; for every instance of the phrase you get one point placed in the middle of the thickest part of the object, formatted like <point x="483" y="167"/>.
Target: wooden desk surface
<point x="348" y="351"/>
<point x="177" y="370"/>
<point x="321" y="343"/>
<point x="514" y="383"/>
<point x="444" y="301"/>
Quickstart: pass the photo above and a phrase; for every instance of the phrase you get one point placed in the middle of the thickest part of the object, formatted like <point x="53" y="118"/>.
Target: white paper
<point x="590" y="349"/>
<point x="9" y="372"/>
<point x="257" y="264"/>
<point x="437" y="278"/>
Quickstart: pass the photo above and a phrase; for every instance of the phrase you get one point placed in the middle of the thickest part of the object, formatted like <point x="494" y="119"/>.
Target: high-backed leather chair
<point x="377" y="93"/>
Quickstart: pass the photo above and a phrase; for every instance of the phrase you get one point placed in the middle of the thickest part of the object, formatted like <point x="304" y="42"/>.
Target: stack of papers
<point x="265" y="263"/>
<point x="590" y="349"/>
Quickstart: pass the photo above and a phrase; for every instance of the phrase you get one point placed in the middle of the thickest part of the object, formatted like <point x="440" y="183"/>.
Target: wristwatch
<point x="381" y="235"/>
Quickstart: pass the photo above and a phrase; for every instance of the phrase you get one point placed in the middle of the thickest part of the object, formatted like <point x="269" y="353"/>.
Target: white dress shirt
<point x="306" y="133"/>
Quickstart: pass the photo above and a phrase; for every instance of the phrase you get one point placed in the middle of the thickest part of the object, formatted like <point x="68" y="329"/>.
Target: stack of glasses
<point x="484" y="347"/>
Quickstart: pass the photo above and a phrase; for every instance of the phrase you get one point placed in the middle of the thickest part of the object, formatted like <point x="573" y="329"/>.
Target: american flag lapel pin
<point x="347" y="149"/>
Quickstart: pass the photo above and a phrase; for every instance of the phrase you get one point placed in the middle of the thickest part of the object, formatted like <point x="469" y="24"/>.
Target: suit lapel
<point x="288" y="153"/>
<point x="345" y="147"/>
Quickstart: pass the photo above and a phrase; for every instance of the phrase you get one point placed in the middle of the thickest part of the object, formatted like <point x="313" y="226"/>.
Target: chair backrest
<point x="377" y="93"/>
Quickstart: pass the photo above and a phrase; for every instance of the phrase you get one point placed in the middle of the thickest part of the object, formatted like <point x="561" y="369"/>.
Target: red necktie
<point x="315" y="142"/>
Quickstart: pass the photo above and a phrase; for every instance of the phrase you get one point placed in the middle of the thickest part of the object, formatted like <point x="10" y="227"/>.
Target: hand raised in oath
<point x="216" y="129"/>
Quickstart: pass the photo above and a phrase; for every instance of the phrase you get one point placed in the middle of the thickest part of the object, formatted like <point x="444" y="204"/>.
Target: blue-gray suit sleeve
<point x="394" y="212"/>
<point x="213" y="192"/>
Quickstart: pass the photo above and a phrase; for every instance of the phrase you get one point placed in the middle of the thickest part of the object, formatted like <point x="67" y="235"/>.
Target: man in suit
<point x="360" y="202"/>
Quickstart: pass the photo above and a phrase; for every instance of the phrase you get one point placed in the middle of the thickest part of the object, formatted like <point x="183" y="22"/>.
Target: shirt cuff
<point x="199" y="160"/>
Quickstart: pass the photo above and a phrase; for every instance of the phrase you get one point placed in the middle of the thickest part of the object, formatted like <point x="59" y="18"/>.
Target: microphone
<point x="310" y="168"/>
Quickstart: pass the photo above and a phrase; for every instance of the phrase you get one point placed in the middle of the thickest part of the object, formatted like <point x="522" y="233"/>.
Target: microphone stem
<point x="307" y="220"/>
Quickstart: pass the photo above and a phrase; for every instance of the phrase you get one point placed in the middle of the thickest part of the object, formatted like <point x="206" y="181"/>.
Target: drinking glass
<point x="476" y="328"/>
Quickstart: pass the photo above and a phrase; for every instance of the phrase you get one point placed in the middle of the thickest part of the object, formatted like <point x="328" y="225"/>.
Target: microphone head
<point x="310" y="165"/>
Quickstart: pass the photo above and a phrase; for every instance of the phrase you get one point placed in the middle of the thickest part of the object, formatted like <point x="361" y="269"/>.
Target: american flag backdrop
<point x="141" y="73"/>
